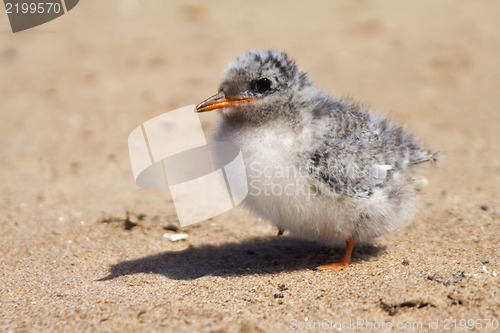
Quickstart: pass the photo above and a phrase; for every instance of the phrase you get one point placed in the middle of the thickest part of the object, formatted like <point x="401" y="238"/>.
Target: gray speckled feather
<point x="356" y="146"/>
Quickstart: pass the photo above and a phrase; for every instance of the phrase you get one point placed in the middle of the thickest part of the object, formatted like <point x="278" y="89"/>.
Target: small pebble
<point x="171" y="227"/>
<point x="282" y="287"/>
<point x="129" y="225"/>
<point x="175" y="237"/>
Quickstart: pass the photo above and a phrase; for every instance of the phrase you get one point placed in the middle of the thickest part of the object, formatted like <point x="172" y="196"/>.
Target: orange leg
<point x="346" y="260"/>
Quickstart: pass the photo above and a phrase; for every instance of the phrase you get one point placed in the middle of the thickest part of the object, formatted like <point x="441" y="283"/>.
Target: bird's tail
<point x="425" y="156"/>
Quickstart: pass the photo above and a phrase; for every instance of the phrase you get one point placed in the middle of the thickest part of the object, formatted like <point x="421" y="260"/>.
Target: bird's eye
<point x="262" y="85"/>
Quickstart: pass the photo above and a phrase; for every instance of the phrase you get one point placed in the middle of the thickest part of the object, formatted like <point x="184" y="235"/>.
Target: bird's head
<point x="257" y="86"/>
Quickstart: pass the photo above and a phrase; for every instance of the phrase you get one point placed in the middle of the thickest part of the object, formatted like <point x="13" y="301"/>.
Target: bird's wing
<point x="367" y="157"/>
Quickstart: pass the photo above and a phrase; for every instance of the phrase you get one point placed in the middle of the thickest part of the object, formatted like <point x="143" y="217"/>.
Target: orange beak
<point x="219" y="101"/>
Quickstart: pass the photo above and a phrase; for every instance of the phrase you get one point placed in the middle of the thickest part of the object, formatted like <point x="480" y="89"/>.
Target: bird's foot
<point x="346" y="260"/>
<point x="336" y="266"/>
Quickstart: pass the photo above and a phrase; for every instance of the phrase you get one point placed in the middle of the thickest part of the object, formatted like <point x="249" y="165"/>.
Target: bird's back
<point x="357" y="151"/>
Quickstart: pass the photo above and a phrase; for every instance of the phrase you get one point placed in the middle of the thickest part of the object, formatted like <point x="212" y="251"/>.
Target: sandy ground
<point x="73" y="89"/>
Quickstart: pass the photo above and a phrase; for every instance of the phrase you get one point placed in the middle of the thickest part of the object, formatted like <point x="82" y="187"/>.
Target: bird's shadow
<point x="261" y="255"/>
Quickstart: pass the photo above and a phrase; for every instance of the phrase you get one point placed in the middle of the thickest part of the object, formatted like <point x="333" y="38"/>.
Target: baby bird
<point x="321" y="167"/>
